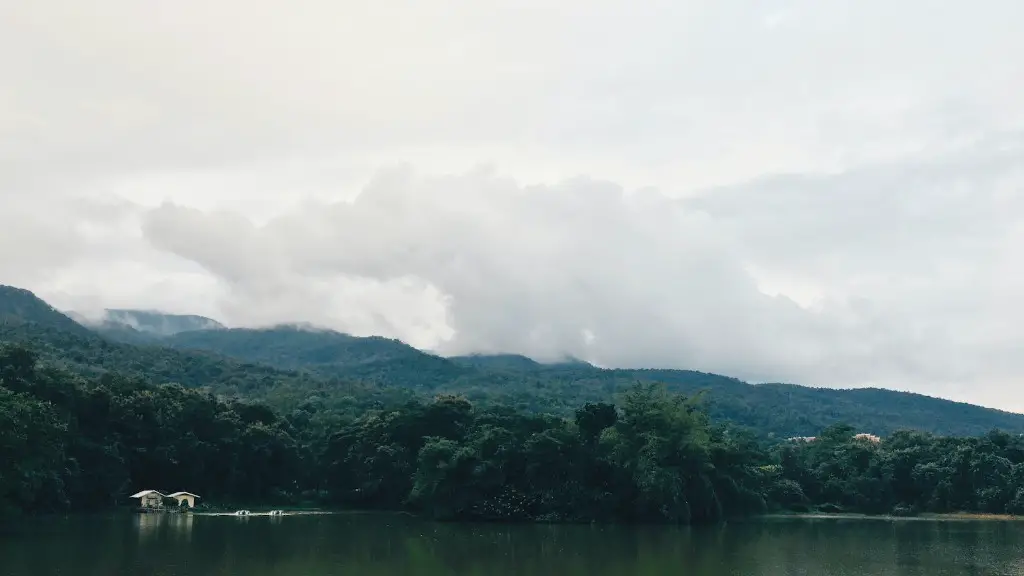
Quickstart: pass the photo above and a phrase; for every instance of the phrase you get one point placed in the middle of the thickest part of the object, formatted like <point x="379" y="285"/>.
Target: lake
<point x="376" y="544"/>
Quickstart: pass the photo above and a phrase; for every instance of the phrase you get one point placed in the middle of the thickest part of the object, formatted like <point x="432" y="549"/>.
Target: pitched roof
<point x="176" y="494"/>
<point x="144" y="493"/>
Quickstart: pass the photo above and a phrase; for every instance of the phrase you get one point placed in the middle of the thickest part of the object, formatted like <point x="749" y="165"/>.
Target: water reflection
<point x="157" y="525"/>
<point x="163" y="544"/>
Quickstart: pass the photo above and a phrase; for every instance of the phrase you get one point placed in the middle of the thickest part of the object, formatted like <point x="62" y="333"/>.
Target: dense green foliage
<point x="290" y="415"/>
<point x="328" y="354"/>
<point x="108" y="434"/>
<point x="84" y="443"/>
<point x="79" y="350"/>
<point x="71" y="442"/>
<point x="780" y="409"/>
<point x="906" y="473"/>
<point x="657" y="459"/>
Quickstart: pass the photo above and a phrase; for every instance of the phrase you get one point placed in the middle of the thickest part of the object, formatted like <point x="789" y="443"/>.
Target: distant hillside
<point x="27" y="320"/>
<point x="290" y="365"/>
<point x="18" y="306"/>
<point x="497" y="362"/>
<point x="514" y="362"/>
<point x="160" y="323"/>
<point x="122" y="333"/>
<point x="785" y="410"/>
<point x="143" y="325"/>
<point x="295" y="346"/>
<point x="327" y="353"/>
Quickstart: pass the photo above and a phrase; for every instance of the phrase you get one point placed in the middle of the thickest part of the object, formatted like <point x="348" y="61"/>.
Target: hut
<point x="149" y="499"/>
<point x="184" y="498"/>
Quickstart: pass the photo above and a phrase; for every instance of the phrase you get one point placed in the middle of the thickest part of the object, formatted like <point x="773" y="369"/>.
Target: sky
<point x="825" y="192"/>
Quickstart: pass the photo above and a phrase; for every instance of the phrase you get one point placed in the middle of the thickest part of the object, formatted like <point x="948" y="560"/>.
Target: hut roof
<point x="176" y="494"/>
<point x="145" y="493"/>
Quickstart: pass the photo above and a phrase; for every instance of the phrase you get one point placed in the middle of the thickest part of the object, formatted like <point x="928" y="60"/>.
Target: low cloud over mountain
<point x="824" y="194"/>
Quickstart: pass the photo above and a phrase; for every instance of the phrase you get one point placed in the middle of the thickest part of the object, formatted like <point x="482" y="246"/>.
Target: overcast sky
<point x="825" y="192"/>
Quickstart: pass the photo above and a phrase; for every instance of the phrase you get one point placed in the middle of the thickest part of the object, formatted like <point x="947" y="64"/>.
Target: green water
<point x="365" y="544"/>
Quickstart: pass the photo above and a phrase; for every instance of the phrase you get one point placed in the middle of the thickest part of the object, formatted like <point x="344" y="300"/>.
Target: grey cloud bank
<point x="244" y="161"/>
<point x="910" y="270"/>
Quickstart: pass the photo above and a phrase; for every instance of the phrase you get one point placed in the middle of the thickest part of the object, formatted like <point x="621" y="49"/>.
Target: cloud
<point x="838" y="203"/>
<point x="920" y="256"/>
<point x="902" y="274"/>
<point x="523" y="269"/>
<point x="689" y="93"/>
<point x="911" y="265"/>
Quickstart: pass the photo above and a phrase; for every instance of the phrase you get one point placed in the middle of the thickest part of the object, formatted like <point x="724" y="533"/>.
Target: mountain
<point x="515" y="362"/>
<point x="327" y="353"/>
<point x="782" y="409"/>
<point x="144" y="326"/>
<point x="497" y="362"/>
<point x="60" y="341"/>
<point x="297" y="346"/>
<point x="21" y="307"/>
<point x="123" y="333"/>
<point x="161" y="324"/>
<point x="290" y="366"/>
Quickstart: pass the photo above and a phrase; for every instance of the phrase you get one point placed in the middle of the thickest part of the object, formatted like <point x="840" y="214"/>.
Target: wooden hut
<point x="149" y="499"/>
<point x="184" y="497"/>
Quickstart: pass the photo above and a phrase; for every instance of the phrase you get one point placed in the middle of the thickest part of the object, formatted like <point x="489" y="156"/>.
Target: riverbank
<point x="278" y="512"/>
<point x="935" y="517"/>
<point x="975" y="516"/>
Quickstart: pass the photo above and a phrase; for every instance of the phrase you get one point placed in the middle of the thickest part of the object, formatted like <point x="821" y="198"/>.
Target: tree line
<point x="79" y="442"/>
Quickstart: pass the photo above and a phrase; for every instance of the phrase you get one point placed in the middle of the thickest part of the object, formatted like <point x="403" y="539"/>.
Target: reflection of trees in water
<point x="378" y="545"/>
<point x="181" y="525"/>
<point x="148" y="524"/>
<point x="153" y="525"/>
<point x="769" y="547"/>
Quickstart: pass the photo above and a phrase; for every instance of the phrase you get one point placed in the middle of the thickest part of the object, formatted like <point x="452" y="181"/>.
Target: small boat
<point x="242" y="513"/>
<point x="277" y="512"/>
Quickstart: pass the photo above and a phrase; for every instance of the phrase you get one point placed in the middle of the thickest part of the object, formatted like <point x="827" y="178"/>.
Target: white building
<point x="149" y="499"/>
<point x="186" y="497"/>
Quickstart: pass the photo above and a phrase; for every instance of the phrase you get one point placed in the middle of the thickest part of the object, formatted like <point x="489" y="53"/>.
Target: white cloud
<point x="203" y="156"/>
<point x="910" y="265"/>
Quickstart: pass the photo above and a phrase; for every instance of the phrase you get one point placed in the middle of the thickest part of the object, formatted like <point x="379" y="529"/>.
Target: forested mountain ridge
<point x="782" y="409"/>
<point x="290" y="365"/>
<point x="76" y="443"/>
<point x="20" y="306"/>
<point x="328" y="354"/>
<point x="142" y="326"/>
<point x="160" y="323"/>
<point x="60" y="342"/>
<point x="85" y="422"/>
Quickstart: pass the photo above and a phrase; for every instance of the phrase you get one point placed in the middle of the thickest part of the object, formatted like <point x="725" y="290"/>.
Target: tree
<point x="594" y="418"/>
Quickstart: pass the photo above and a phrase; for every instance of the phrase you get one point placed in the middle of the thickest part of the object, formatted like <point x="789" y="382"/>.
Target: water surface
<point x="368" y="545"/>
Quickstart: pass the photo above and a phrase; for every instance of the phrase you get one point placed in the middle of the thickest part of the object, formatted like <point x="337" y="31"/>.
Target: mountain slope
<point x="497" y="362"/>
<point x="327" y="353"/>
<point x="295" y="346"/>
<point x="27" y="320"/>
<point x="19" y="307"/>
<point x="143" y="326"/>
<point x="123" y="333"/>
<point x="161" y="324"/>
<point x="786" y="410"/>
<point x="289" y="366"/>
